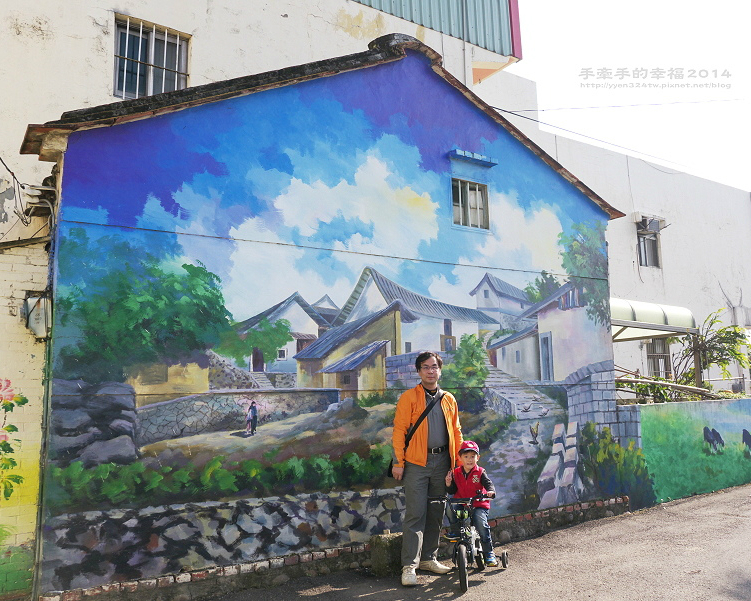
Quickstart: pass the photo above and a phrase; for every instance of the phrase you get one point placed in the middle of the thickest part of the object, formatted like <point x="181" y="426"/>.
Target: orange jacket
<point x="409" y="407"/>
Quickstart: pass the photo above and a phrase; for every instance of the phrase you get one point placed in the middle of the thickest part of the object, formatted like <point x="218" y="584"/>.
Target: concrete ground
<point x="691" y="549"/>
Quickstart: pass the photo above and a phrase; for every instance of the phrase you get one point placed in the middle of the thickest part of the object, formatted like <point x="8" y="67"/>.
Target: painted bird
<point x="527" y="407"/>
<point x="534" y="431"/>
<point x="543" y="411"/>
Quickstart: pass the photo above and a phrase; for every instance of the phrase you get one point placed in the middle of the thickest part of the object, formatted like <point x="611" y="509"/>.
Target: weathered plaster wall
<point x="22" y="358"/>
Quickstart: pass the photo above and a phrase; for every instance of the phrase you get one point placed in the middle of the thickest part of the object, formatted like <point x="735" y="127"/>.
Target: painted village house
<point x="375" y="182"/>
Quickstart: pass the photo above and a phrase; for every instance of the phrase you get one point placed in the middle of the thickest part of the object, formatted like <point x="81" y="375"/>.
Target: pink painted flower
<point x="6" y="392"/>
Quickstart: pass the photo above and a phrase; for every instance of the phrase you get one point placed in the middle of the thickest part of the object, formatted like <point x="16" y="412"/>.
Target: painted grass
<point x="15" y="570"/>
<point x="682" y="463"/>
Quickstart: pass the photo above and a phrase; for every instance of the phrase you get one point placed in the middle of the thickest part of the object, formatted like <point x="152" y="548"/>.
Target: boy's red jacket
<point x="468" y="485"/>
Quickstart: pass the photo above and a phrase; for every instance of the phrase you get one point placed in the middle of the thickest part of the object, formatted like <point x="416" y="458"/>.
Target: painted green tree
<point x="542" y="287"/>
<point x="133" y="308"/>
<point x="584" y="257"/>
<point x="616" y="470"/>
<point x="465" y="376"/>
<point x="267" y="337"/>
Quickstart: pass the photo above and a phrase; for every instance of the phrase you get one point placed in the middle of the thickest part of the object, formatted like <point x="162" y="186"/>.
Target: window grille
<point x="658" y="359"/>
<point x="149" y="59"/>
<point x="470" y="201"/>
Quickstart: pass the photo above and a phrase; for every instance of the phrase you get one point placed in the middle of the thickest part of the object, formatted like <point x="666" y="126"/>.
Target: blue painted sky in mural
<point x="271" y="172"/>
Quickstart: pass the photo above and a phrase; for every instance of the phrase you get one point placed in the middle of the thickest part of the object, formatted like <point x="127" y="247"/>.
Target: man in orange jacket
<point x="423" y="465"/>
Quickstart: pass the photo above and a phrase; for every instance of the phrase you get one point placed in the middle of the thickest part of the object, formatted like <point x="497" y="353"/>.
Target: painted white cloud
<point x="400" y="221"/>
<point x="263" y="272"/>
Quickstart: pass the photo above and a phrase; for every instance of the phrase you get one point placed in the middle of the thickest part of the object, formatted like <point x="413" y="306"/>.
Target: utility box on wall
<point x="38" y="318"/>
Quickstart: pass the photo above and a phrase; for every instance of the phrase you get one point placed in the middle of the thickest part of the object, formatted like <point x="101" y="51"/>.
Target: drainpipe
<point x="697" y="363"/>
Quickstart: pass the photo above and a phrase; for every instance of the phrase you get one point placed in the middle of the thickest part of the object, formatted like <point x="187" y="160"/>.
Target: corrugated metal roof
<point x="356" y="359"/>
<point x="417" y="303"/>
<point x="332" y="338"/>
<point x="484" y="23"/>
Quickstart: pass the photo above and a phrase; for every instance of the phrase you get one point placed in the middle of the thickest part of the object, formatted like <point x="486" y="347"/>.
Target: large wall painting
<point x="697" y="447"/>
<point x="292" y="250"/>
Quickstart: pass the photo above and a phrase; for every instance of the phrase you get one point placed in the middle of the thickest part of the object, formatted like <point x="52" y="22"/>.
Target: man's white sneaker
<point x="434" y="566"/>
<point x="409" y="578"/>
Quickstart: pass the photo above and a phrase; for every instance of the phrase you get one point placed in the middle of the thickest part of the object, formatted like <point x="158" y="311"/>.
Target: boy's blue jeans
<point x="479" y="521"/>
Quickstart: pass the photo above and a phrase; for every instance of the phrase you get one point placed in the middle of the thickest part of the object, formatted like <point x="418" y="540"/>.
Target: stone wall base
<point x="380" y="556"/>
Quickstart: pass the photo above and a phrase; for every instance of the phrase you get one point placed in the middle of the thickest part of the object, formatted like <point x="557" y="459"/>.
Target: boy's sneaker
<point x="490" y="560"/>
<point x="453" y="534"/>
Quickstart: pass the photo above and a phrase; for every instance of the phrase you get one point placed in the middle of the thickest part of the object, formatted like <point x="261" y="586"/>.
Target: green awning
<point x="636" y="320"/>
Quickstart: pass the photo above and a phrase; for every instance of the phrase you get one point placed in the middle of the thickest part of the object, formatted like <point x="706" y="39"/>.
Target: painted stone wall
<point x="221" y="410"/>
<point x="87" y="549"/>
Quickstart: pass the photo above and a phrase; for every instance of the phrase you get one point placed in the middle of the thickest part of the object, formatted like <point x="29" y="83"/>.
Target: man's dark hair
<point x="424" y="356"/>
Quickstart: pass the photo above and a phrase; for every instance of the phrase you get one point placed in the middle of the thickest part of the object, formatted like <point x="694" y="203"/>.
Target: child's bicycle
<point x="467" y="544"/>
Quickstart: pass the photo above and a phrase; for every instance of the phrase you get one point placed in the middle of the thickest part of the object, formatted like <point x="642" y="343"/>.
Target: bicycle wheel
<point x="479" y="557"/>
<point x="461" y="563"/>
<point x="504" y="559"/>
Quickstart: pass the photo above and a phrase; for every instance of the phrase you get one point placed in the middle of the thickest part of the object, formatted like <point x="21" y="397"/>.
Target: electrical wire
<point x="18" y="189"/>
<point x="620" y="106"/>
<point x="516" y="114"/>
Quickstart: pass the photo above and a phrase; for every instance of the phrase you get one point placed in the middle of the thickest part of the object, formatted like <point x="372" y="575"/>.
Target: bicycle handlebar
<point x="478" y="497"/>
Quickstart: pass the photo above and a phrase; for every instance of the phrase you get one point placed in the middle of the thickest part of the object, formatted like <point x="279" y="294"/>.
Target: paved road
<point x="691" y="549"/>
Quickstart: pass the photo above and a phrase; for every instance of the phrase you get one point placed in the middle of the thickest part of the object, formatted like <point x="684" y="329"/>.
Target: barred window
<point x="658" y="359"/>
<point x="149" y="59"/>
<point x="470" y="201"/>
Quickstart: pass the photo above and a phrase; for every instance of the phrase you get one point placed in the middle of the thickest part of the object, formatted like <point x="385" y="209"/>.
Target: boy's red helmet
<point x="469" y="445"/>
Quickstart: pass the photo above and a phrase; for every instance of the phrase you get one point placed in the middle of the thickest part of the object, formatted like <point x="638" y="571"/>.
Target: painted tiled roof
<point x="273" y="313"/>
<point x="534" y="309"/>
<point x="336" y="336"/>
<point x="514" y="337"/>
<point x="417" y="303"/>
<point x="502" y="287"/>
<point x="356" y="359"/>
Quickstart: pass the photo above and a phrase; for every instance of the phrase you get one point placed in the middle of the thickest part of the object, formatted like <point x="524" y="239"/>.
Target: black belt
<point x="437" y="450"/>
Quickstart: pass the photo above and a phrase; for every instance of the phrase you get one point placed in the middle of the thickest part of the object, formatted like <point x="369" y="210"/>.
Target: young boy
<point x="467" y="480"/>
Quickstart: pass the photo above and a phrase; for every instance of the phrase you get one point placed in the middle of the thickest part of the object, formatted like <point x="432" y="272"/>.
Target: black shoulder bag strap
<point x="423" y="415"/>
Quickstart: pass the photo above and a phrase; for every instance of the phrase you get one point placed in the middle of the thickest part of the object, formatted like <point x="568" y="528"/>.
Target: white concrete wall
<point x="703" y="250"/>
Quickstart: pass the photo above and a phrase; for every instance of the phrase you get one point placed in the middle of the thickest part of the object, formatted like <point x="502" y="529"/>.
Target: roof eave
<point x="385" y="49"/>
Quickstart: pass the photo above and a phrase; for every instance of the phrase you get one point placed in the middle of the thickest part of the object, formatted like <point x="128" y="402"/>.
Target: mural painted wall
<point x="177" y="236"/>
<point x="697" y="447"/>
<point x="19" y="488"/>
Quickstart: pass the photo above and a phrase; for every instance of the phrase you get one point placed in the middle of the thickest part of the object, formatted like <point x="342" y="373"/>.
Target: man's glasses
<point x="430" y="368"/>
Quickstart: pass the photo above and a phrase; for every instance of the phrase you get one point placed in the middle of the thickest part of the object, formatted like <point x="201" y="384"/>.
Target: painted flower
<point x="6" y="392"/>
